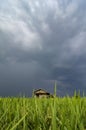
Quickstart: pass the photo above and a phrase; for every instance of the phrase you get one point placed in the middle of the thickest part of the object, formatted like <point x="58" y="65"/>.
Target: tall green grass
<point x="43" y="114"/>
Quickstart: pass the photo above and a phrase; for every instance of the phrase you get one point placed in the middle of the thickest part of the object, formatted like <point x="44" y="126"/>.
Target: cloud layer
<point x="40" y="42"/>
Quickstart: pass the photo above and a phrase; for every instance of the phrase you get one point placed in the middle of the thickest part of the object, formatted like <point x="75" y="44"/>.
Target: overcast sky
<point x="42" y="41"/>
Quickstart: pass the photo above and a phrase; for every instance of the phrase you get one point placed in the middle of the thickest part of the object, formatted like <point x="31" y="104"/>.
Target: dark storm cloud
<point x="42" y="41"/>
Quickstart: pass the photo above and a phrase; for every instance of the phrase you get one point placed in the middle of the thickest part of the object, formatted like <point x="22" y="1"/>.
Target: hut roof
<point x="41" y="91"/>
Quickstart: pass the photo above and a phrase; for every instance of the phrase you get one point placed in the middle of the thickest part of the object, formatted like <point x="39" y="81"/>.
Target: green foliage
<point x="43" y="114"/>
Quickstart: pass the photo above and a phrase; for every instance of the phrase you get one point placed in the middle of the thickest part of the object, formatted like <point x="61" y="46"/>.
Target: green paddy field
<point x="21" y="113"/>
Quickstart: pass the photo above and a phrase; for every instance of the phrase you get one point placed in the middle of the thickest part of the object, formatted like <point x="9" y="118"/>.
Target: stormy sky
<point x="42" y="41"/>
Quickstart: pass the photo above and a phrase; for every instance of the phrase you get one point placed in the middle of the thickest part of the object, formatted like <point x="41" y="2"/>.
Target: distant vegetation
<point x="43" y="114"/>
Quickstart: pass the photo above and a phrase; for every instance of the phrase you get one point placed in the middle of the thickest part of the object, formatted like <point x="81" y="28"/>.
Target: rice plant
<point x="43" y="114"/>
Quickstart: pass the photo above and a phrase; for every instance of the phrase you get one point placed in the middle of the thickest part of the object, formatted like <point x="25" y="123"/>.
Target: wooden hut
<point x="40" y="93"/>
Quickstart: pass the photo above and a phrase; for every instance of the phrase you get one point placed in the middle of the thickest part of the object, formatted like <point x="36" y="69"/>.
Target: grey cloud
<point x="40" y="42"/>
